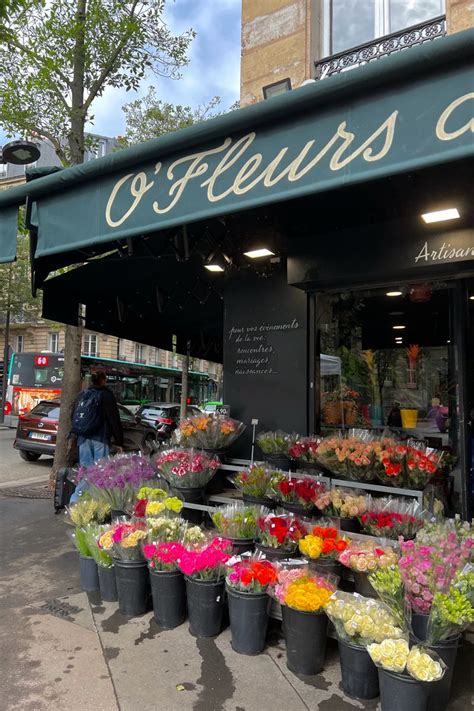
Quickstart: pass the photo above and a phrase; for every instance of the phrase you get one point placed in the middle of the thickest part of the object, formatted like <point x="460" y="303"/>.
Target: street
<point x="64" y="649"/>
<point x="13" y="470"/>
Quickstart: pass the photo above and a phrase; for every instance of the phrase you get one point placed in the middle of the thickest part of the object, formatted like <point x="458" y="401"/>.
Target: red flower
<point x="285" y="487"/>
<point x="140" y="507"/>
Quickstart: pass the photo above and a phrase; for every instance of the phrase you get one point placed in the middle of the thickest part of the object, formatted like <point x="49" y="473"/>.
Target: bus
<point x="38" y="376"/>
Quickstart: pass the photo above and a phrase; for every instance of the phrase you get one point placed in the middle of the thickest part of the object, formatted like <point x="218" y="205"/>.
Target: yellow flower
<point x="187" y="430"/>
<point x="305" y="595"/>
<point x="172" y="503"/>
<point x="154" y="507"/>
<point x="311" y="546"/>
<point x="202" y="423"/>
<point x="227" y="428"/>
<point x="133" y="539"/>
<point x="106" y="541"/>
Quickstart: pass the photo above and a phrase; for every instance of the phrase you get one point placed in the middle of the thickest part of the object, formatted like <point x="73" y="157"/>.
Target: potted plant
<point x="303" y="596"/>
<point x="204" y="570"/>
<point x="255" y="483"/>
<point x="246" y="584"/>
<point x="298" y="495"/>
<point x="124" y="543"/>
<point x="364" y="557"/>
<point x="332" y="407"/>
<point x="278" y="536"/>
<point x="358" y="622"/>
<point x="321" y="548"/>
<point x="85" y="515"/>
<point x="343" y="507"/>
<point x="238" y="523"/>
<point x="275" y="446"/>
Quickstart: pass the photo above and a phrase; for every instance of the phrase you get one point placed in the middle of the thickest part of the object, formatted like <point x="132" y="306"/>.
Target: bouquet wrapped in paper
<point x="124" y="541"/>
<point x="367" y="556"/>
<point x="211" y="432"/>
<point x="276" y="443"/>
<point x="342" y="503"/>
<point x="238" y="520"/>
<point x="305" y="450"/>
<point x="280" y="532"/>
<point x="392" y="517"/>
<point x="362" y="621"/>
<point x="251" y="575"/>
<point x="187" y="468"/>
<point x="297" y="491"/>
<point x="115" y="480"/>
<point x="258" y="480"/>
<point x="302" y="589"/>
<point x="323" y="542"/>
<point x="395" y="655"/>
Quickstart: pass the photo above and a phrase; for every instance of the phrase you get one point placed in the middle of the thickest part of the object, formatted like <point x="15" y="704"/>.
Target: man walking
<point x="95" y="422"/>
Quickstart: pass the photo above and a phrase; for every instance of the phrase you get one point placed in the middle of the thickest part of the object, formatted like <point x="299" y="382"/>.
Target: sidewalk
<point x="65" y="650"/>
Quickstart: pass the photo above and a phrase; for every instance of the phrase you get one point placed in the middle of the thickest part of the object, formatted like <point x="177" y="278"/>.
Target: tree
<point x="56" y="59"/>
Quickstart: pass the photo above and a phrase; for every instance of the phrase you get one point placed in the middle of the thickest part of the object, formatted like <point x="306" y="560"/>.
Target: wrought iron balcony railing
<point x="381" y="47"/>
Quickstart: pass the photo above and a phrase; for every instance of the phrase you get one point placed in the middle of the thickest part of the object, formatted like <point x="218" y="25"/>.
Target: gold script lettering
<point x="138" y="188"/>
<point x="441" y="132"/>
<point x="365" y="149"/>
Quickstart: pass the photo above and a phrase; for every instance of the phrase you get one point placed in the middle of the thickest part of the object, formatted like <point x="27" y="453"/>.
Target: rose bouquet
<point x="208" y="561"/>
<point x="280" y="532"/>
<point x="305" y="450"/>
<point x="187" y="468"/>
<point x="211" y="432"/>
<point x="275" y="442"/>
<point x="115" y="480"/>
<point x="124" y="541"/>
<point x="342" y="503"/>
<point x="257" y="481"/>
<point x="237" y="520"/>
<point x="367" y="556"/>
<point x="392" y="517"/>
<point x="360" y="620"/>
<point x="251" y="575"/>
<point x="323" y="542"/>
<point x="303" y="590"/>
<point x="349" y="457"/>
<point x="395" y="655"/>
<point x="301" y="493"/>
<point x="410" y="465"/>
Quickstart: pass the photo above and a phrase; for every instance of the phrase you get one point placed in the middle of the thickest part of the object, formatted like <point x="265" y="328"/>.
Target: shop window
<point x="20" y="343"/>
<point x="53" y="342"/>
<point x="90" y="344"/>
<point x="349" y="23"/>
<point x="140" y="353"/>
<point x="277" y="88"/>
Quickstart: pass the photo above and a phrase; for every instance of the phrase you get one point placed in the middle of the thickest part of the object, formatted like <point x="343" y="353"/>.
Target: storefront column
<point x="460" y="327"/>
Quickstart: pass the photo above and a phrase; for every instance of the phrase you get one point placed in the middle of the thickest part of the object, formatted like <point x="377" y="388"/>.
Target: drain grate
<point x="61" y="609"/>
<point x="28" y="492"/>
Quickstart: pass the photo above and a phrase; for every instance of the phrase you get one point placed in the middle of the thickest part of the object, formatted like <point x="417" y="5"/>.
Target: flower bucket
<point x="169" y="597"/>
<point x="205" y="606"/>
<point x="248" y="614"/>
<point x="276" y="553"/>
<point x="400" y="691"/>
<point x="352" y="525"/>
<point x="259" y="501"/>
<point x="300" y="510"/>
<point x="439" y="692"/>
<point x="88" y="573"/>
<point x="359" y="675"/>
<point x="133" y="586"/>
<point x="241" y="545"/>
<point x="191" y="496"/>
<point x="409" y="418"/>
<point x="329" y="566"/>
<point x="419" y="625"/>
<point x="305" y="637"/>
<point x="362" y="585"/>
<point x="107" y="583"/>
<point x="278" y="461"/>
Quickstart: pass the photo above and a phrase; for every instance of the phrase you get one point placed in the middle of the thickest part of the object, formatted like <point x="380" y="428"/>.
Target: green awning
<point x="403" y="113"/>
<point x="8" y="233"/>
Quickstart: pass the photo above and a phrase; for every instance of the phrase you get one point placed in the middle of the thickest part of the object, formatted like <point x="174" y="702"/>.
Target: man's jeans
<point x="90" y="451"/>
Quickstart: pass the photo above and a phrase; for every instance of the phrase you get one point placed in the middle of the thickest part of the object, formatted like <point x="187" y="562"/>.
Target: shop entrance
<point x="400" y="358"/>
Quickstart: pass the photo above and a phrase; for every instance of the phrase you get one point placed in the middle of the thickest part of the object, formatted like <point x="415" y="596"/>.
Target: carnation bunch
<point x="163" y="556"/>
<point x="275" y="442"/>
<point x="395" y="655"/>
<point x="208" y="431"/>
<point x="187" y="468"/>
<point x="115" y="480"/>
<point x="360" y="620"/>
<point x="303" y="590"/>
<point x="305" y="449"/>
<point x="302" y="492"/>
<point x="342" y="503"/>
<point x="207" y="562"/>
<point x="367" y="556"/>
<point x="238" y="520"/>
<point x="323" y="542"/>
<point x="124" y="541"/>
<point x="280" y="532"/>
<point x="258" y="480"/>
<point x="251" y="575"/>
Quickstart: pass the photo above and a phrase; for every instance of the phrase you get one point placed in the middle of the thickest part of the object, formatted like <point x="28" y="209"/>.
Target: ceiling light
<point x="472" y="298"/>
<point x="217" y="261"/>
<point x="441" y="215"/>
<point x="393" y="293"/>
<point x="214" y="267"/>
<point x="256" y="253"/>
<point x="398" y="328"/>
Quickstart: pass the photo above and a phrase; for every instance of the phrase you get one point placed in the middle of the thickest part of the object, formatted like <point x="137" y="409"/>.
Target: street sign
<point x="223" y="410"/>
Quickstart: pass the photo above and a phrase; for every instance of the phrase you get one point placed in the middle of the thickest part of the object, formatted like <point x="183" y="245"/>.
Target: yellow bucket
<point x="409" y="418"/>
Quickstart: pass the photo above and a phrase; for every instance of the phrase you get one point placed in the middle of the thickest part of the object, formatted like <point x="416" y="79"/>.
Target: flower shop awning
<point x="406" y="112"/>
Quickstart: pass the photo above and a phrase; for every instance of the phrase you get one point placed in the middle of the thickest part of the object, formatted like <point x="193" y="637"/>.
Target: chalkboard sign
<point x="223" y="410"/>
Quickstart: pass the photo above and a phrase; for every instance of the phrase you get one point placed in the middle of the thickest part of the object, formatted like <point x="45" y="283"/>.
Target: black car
<point x="164" y="416"/>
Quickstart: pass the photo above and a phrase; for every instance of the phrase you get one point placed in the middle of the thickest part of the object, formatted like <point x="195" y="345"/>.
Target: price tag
<point x="223" y="410"/>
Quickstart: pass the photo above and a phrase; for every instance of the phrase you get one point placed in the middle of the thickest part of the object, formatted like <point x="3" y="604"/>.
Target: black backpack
<point x="88" y="416"/>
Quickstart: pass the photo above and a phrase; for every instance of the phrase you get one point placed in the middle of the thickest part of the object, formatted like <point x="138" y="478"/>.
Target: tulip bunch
<point x="238" y="520"/>
<point x="275" y="442"/>
<point x="323" y="542"/>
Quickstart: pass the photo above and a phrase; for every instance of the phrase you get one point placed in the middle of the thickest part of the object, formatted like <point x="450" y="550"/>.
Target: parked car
<point x="164" y="416"/>
<point x="36" y="432"/>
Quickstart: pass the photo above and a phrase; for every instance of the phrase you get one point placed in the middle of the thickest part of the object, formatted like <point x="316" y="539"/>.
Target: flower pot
<point x="359" y="675"/>
<point x="276" y="553"/>
<point x="133" y="586"/>
<point x="350" y="413"/>
<point x="191" y="496"/>
<point x="439" y="692"/>
<point x="107" y="583"/>
<point x="278" y="461"/>
<point x="299" y="510"/>
<point x="400" y="691"/>
<point x="332" y="413"/>
<point x="205" y="606"/>
<point x="409" y="418"/>
<point x="325" y="565"/>
<point x="362" y="585"/>
<point x="419" y="625"/>
<point x="305" y="637"/>
<point x="259" y="501"/>
<point x="248" y="620"/>
<point x="241" y="545"/>
<point x="88" y="573"/>
<point x="169" y="597"/>
<point x="217" y="483"/>
<point x="118" y="513"/>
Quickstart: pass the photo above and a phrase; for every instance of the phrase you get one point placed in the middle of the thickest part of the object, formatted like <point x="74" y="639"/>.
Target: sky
<point x="213" y="70"/>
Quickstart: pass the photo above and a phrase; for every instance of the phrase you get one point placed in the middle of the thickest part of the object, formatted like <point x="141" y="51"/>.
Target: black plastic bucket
<point x="299" y="510"/>
<point x="169" y="597"/>
<point x="276" y="553"/>
<point x="259" y="501"/>
<point x="277" y="461"/>
<point x="118" y="513"/>
<point x="107" y="583"/>
<point x="205" y="606"/>
<point x="241" y="545"/>
<point x="248" y="614"/>
<point x="349" y="524"/>
<point x="419" y="625"/>
<point x="88" y="573"/>
<point x="328" y="566"/>
<point x="192" y="496"/>
<point x="305" y="637"/>
<point x="133" y="586"/>
<point x="360" y="679"/>
<point x="400" y="691"/>
<point x="439" y="692"/>
<point x="362" y="585"/>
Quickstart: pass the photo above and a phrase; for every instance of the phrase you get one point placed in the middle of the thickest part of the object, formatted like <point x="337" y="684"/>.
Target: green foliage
<point x="15" y="287"/>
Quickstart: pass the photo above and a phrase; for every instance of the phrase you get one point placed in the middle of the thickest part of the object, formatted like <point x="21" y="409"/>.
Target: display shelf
<point x="367" y="486"/>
